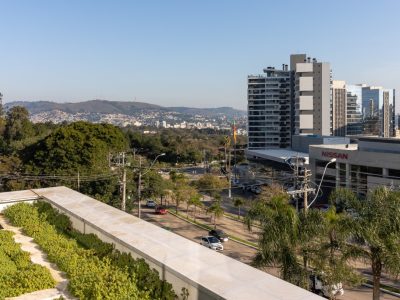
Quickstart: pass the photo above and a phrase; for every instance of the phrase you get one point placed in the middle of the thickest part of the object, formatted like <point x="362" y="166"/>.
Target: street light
<point x="322" y="178"/>
<point x="140" y="178"/>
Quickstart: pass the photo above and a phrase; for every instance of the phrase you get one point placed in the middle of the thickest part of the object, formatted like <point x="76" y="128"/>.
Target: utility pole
<point x="139" y="184"/>
<point x="230" y="174"/>
<point x="123" y="204"/>
<point x="307" y="174"/>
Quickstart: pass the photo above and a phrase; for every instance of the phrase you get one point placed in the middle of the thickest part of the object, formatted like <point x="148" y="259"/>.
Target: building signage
<point x="332" y="154"/>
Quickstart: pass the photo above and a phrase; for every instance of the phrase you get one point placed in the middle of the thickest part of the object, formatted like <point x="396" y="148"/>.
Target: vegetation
<point x="146" y="278"/>
<point x="238" y="202"/>
<point x="376" y="229"/>
<point x="314" y="237"/>
<point x="217" y="211"/>
<point x="181" y="146"/>
<point x="90" y="277"/>
<point x="18" y="275"/>
<point x="211" y="184"/>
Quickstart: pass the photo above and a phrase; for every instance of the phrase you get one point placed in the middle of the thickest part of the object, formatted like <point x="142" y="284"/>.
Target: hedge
<point x="90" y="277"/>
<point x="18" y="275"/>
<point x="146" y="279"/>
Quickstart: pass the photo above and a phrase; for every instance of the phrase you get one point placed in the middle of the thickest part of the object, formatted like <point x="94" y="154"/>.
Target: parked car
<point x="219" y="234"/>
<point x="320" y="288"/>
<point x="151" y="203"/>
<point x="211" y="242"/>
<point x="160" y="210"/>
<point x="256" y="189"/>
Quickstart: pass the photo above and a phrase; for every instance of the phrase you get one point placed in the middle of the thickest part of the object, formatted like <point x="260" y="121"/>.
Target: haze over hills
<point x="120" y="107"/>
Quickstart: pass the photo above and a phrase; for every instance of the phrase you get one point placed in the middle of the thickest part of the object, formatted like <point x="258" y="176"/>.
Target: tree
<point x="180" y="188"/>
<point x="211" y="184"/>
<point x="376" y="226"/>
<point x="18" y="125"/>
<point x="334" y="251"/>
<point x="238" y="202"/>
<point x="285" y="236"/>
<point x="196" y="202"/>
<point x="191" y="197"/>
<point x="278" y="240"/>
<point x="217" y="211"/>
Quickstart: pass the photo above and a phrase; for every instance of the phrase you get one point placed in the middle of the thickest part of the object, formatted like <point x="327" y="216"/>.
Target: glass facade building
<point x="354" y="109"/>
<point x="378" y="108"/>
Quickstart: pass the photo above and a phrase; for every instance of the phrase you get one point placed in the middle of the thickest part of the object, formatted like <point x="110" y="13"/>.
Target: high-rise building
<point x="339" y="108"/>
<point x="311" y="95"/>
<point x="354" y="109"/>
<point x="378" y="107"/>
<point x="285" y="102"/>
<point x="269" y="109"/>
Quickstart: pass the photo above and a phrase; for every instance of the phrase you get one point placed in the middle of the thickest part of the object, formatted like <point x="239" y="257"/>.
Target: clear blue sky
<point x="192" y="53"/>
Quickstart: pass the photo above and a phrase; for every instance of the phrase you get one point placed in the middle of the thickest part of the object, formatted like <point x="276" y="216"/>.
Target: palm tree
<point x="376" y="225"/>
<point x="217" y="210"/>
<point x="279" y="238"/>
<point x="238" y="202"/>
<point x="331" y="259"/>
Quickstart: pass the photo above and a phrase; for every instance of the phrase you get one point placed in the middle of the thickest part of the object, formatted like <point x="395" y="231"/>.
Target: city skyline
<point x="185" y="54"/>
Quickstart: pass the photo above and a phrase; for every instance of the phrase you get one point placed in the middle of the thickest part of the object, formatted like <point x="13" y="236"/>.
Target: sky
<point x="186" y="53"/>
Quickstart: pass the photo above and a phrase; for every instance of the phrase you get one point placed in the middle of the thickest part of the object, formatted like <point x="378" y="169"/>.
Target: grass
<point x="208" y="228"/>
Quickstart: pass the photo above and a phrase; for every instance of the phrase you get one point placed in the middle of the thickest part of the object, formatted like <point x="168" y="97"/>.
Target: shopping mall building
<point x="364" y="165"/>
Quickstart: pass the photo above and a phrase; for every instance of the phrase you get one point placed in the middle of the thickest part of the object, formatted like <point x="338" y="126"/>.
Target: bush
<point x="90" y="277"/>
<point x="18" y="275"/>
<point x="146" y="279"/>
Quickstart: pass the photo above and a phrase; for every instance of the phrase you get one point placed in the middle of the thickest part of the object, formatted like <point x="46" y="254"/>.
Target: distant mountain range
<point x="120" y="107"/>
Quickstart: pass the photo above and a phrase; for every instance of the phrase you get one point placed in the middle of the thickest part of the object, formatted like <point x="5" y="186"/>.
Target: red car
<point x="161" y="210"/>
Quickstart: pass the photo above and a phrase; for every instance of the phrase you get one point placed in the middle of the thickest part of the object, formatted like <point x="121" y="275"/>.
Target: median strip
<point x="207" y="227"/>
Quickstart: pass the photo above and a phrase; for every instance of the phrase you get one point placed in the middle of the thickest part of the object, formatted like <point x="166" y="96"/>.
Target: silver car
<point x="212" y="242"/>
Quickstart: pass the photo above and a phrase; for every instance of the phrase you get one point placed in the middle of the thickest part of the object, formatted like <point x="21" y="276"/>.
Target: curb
<point x="383" y="290"/>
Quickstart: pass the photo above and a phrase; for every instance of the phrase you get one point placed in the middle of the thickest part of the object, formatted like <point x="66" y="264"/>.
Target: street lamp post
<point x="320" y="183"/>
<point x="140" y="179"/>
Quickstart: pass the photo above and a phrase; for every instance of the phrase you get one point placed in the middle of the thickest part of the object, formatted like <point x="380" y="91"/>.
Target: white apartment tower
<point x="285" y="102"/>
<point x="269" y="109"/>
<point x="311" y="95"/>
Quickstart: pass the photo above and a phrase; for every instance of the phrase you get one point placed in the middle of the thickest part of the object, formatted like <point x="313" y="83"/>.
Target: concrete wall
<point x="4" y="205"/>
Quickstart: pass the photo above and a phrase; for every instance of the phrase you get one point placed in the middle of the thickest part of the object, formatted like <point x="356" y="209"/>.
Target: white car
<point x="151" y="204"/>
<point x="212" y="242"/>
<point x="318" y="287"/>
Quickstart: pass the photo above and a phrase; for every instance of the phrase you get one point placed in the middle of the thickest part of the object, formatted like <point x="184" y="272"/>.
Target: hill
<point x="119" y="107"/>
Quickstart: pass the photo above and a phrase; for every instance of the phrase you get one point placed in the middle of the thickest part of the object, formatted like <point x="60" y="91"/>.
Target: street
<point x="233" y="249"/>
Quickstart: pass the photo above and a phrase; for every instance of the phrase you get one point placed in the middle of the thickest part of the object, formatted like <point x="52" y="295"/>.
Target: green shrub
<point x="18" y="275"/>
<point x="90" y="277"/>
<point x="146" y="279"/>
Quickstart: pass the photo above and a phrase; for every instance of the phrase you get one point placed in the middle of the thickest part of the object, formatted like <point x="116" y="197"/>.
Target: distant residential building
<point x="311" y="95"/>
<point x="164" y="124"/>
<point x="339" y="109"/>
<point x="354" y="109"/>
<point x="378" y="107"/>
<point x="269" y="109"/>
<point x="157" y="124"/>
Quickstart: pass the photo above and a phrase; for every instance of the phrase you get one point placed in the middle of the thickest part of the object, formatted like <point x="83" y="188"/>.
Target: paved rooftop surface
<point x="278" y="155"/>
<point x="218" y="273"/>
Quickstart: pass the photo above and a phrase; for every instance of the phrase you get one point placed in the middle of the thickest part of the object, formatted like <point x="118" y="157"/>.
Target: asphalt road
<point x="236" y="250"/>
